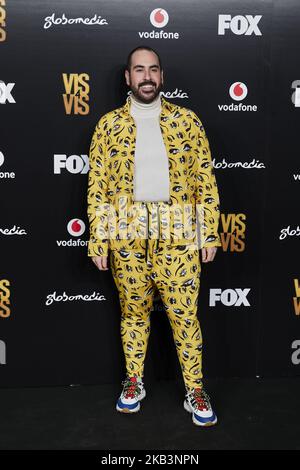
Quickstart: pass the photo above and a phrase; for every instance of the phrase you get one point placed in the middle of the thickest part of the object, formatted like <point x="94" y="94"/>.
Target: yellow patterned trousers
<point x="175" y="270"/>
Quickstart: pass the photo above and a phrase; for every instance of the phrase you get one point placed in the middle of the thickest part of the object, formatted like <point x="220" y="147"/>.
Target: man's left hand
<point x="208" y="253"/>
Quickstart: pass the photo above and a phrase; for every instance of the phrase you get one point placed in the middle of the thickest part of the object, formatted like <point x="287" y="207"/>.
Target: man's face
<point x="145" y="78"/>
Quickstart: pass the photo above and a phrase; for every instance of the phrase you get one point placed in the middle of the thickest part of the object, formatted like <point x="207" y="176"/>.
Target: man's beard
<point x="143" y="97"/>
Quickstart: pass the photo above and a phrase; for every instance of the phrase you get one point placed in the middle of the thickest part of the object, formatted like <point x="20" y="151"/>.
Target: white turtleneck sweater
<point x="151" y="165"/>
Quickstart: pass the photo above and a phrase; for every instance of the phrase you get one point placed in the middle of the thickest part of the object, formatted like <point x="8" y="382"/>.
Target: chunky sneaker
<point x="133" y="392"/>
<point x="197" y="402"/>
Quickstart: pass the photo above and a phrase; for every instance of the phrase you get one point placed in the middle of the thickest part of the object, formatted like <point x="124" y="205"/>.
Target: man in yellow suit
<point x="153" y="205"/>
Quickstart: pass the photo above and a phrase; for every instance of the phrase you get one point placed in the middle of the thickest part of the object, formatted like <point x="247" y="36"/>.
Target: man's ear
<point x="127" y="77"/>
<point x="162" y="77"/>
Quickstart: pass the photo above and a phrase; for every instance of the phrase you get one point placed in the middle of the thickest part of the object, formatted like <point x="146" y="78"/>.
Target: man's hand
<point x="100" y="262"/>
<point x="208" y="253"/>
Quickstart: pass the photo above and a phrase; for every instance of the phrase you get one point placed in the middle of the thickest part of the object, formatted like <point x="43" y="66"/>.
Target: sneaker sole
<point x="129" y="410"/>
<point x="196" y="422"/>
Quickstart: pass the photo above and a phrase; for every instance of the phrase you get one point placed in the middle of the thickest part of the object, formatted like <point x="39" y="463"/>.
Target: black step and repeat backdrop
<point x="236" y="64"/>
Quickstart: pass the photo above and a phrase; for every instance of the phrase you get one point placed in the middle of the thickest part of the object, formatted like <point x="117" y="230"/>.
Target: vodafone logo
<point x="76" y="227"/>
<point x="159" y="17"/>
<point x="238" y="91"/>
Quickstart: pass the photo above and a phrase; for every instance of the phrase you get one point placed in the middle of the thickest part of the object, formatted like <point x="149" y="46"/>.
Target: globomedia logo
<point x="159" y="18"/>
<point x="237" y="92"/>
<point x="64" y="297"/>
<point x="289" y="232"/>
<point x="177" y="93"/>
<point x="63" y="20"/>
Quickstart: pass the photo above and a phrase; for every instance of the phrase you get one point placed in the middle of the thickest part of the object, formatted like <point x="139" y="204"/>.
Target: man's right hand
<point x="101" y="262"/>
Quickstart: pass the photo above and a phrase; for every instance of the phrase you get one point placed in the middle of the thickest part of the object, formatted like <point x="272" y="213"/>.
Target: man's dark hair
<point x="147" y="48"/>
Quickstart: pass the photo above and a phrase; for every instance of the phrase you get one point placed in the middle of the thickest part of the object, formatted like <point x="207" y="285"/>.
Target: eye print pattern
<point x="175" y="272"/>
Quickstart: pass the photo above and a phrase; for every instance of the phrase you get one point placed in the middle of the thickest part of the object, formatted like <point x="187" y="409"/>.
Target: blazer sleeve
<point x="97" y="202"/>
<point x="206" y="189"/>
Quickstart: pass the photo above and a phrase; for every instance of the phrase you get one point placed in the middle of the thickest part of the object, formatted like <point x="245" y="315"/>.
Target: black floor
<point x="252" y="413"/>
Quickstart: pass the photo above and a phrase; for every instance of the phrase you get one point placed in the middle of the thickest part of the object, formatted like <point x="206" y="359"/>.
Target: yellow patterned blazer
<point x="116" y="220"/>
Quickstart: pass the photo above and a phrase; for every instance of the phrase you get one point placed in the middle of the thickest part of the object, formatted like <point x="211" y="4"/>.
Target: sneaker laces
<point x="199" y="399"/>
<point x="131" y="387"/>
